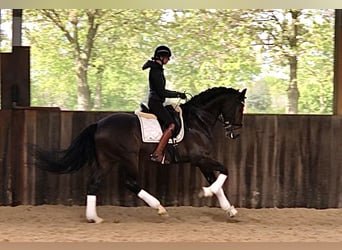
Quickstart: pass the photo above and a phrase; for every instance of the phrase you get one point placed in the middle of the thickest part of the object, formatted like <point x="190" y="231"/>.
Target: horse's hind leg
<point x="91" y="213"/>
<point x="92" y="189"/>
<point x="223" y="200"/>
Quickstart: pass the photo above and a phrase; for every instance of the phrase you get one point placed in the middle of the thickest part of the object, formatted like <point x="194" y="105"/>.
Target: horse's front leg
<point x="153" y="202"/>
<point x="225" y="204"/>
<point x="216" y="185"/>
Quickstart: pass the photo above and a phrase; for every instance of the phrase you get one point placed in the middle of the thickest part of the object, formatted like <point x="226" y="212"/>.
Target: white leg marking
<point x="213" y="188"/>
<point x="149" y="199"/>
<point x="225" y="204"/>
<point x="231" y="211"/>
<point x="218" y="183"/>
<point x="91" y="214"/>
<point x="152" y="202"/>
<point x="205" y="192"/>
<point x="216" y="188"/>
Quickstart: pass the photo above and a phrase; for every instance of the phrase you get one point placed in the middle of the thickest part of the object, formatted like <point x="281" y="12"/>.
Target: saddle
<point x="151" y="127"/>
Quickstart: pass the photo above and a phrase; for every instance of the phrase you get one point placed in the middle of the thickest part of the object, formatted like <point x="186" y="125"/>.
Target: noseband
<point x="230" y="129"/>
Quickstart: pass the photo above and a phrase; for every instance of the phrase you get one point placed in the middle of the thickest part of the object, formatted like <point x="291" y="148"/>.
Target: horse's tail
<point x="80" y="152"/>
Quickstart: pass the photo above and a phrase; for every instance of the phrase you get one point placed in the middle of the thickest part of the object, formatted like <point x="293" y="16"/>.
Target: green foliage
<point x="5" y="22"/>
<point x="316" y="67"/>
<point x="210" y="48"/>
<point x="53" y="81"/>
<point x="259" y="97"/>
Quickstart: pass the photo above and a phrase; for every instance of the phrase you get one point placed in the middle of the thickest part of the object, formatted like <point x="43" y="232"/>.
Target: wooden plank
<point x="184" y="187"/>
<point x="42" y="141"/>
<point x="15" y="86"/>
<point x="303" y="146"/>
<point x="335" y="170"/>
<point x="29" y="170"/>
<point x="267" y="169"/>
<point x="244" y="161"/>
<point x="249" y="136"/>
<point x="53" y="134"/>
<point x="17" y="161"/>
<point x="64" y="195"/>
<point x="5" y="159"/>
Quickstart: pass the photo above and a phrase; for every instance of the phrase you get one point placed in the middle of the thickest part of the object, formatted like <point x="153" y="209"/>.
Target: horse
<point x="102" y="146"/>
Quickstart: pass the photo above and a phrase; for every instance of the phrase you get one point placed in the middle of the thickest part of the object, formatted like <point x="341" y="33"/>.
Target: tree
<point x="316" y="64"/>
<point x="230" y="48"/>
<point x="88" y="38"/>
<point x="79" y="28"/>
<point x="284" y="35"/>
<point x="214" y="48"/>
<point x="81" y="36"/>
<point x="259" y="98"/>
<point x="5" y="41"/>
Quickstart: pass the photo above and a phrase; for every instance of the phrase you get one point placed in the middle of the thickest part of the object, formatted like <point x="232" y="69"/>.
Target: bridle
<point x="231" y="126"/>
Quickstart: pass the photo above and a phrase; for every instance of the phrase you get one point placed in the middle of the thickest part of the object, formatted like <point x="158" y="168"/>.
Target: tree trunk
<point x="83" y="92"/>
<point x="98" y="91"/>
<point x="292" y="91"/>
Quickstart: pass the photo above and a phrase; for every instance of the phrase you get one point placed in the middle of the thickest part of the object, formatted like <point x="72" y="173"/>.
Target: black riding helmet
<point x="162" y="51"/>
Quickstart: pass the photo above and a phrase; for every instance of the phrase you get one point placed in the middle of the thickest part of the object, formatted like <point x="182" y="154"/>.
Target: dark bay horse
<point x="116" y="140"/>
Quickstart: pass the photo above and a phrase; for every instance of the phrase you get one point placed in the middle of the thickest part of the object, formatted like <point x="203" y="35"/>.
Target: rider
<point x="157" y="95"/>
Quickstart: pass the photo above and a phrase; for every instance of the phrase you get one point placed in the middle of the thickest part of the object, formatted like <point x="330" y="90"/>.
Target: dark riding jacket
<point x="158" y="93"/>
<point x="157" y="82"/>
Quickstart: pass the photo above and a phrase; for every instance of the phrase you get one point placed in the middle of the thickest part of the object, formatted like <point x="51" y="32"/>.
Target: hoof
<point x="231" y="211"/>
<point x="164" y="215"/>
<point x="205" y="192"/>
<point x="96" y="220"/>
<point x="162" y="211"/>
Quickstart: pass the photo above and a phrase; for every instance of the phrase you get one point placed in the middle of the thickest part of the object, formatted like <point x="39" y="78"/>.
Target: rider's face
<point x="165" y="59"/>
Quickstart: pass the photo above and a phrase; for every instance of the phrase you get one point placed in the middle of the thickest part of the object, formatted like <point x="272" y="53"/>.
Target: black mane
<point x="210" y="94"/>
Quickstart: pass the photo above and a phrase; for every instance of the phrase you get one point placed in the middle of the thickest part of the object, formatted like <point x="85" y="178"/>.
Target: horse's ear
<point x="243" y="94"/>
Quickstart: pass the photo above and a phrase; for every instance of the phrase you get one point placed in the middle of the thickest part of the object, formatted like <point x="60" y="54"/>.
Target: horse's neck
<point x="213" y="108"/>
<point x="200" y="118"/>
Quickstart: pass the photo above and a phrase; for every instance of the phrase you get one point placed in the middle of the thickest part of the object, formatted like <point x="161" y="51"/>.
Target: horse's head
<point x="232" y="113"/>
<point x="223" y="104"/>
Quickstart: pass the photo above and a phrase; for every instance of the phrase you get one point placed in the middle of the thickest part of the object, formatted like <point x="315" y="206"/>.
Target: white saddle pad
<point x="151" y="130"/>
